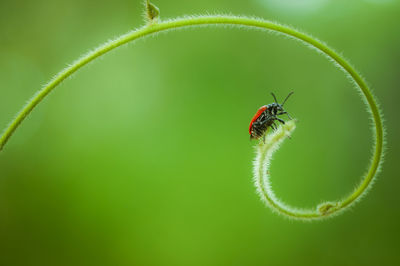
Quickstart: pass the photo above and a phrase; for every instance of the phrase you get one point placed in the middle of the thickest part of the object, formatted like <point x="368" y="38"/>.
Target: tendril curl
<point x="264" y="151"/>
<point x="154" y="25"/>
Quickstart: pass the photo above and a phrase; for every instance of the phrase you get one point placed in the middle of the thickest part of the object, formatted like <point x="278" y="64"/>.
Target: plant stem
<point x="233" y="21"/>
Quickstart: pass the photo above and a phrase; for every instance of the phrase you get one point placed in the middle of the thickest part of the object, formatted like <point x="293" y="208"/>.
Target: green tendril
<point x="264" y="152"/>
<point x="156" y="26"/>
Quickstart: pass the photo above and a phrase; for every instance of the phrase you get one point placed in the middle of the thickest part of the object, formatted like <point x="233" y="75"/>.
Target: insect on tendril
<point x="154" y="25"/>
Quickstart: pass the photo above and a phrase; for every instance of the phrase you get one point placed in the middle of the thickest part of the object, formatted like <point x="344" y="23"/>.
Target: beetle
<point x="266" y="117"/>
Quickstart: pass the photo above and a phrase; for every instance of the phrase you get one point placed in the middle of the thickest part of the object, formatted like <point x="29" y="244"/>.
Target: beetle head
<point x="277" y="107"/>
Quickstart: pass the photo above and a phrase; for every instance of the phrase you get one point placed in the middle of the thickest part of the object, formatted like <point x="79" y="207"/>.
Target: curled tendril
<point x="157" y="26"/>
<point x="264" y="152"/>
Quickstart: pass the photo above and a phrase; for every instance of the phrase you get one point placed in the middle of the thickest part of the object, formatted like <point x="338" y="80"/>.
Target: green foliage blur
<point x="144" y="158"/>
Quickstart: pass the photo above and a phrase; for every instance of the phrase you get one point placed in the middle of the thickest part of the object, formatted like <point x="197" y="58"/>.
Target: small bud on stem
<point x="152" y="12"/>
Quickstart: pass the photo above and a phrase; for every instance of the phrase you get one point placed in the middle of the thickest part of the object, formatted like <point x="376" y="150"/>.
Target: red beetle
<point x="266" y="117"/>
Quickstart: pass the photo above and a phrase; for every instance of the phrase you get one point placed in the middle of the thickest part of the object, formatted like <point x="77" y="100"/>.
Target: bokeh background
<point x="144" y="158"/>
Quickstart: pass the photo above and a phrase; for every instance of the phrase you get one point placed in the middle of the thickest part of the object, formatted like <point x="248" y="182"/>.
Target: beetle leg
<point x="280" y="120"/>
<point x="257" y="123"/>
<point x="283" y="113"/>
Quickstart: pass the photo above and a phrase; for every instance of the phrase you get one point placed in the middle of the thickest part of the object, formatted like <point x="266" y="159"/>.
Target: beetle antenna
<point x="287" y="98"/>
<point x="273" y="95"/>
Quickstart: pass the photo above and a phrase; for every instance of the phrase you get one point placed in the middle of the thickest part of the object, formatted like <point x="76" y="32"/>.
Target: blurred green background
<point x="143" y="157"/>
